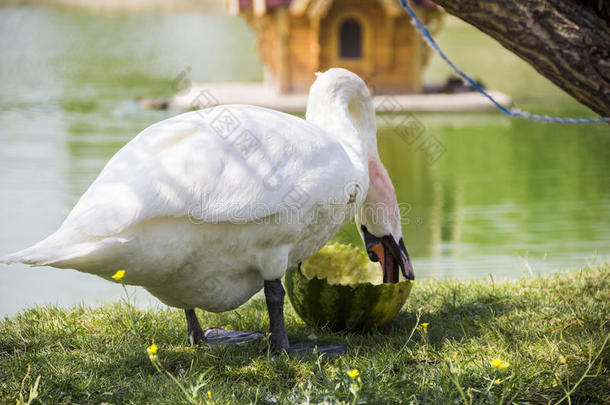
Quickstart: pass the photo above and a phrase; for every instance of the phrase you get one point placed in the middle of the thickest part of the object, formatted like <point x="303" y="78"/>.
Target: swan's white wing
<point x="230" y="163"/>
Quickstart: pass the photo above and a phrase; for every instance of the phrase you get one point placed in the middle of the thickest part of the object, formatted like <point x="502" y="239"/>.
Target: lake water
<point x="507" y="198"/>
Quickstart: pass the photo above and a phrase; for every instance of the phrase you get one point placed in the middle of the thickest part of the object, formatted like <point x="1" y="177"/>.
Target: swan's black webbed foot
<point x="302" y="349"/>
<point x="215" y="335"/>
<point x="299" y="349"/>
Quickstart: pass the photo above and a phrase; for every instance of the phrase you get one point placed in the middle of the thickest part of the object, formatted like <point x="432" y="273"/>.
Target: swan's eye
<point x="373" y="256"/>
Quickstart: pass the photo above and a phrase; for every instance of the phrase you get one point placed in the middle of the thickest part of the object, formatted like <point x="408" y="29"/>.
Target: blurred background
<point x="503" y="197"/>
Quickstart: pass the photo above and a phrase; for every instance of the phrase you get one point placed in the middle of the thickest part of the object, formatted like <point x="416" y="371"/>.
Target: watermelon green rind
<point x="359" y="305"/>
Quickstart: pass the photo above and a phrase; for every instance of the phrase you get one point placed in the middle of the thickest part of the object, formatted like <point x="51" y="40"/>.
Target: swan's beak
<point x="390" y="255"/>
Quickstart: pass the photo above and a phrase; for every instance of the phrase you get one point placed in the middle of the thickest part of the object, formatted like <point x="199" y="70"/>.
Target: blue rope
<point x="511" y="113"/>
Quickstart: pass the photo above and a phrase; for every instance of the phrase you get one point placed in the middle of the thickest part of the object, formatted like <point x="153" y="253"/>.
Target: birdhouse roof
<point x="311" y="7"/>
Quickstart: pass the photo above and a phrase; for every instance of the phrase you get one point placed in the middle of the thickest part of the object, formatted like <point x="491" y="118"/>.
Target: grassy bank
<point x="537" y="340"/>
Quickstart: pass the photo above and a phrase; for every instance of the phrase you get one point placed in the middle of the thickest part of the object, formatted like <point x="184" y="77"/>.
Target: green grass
<point x="552" y="330"/>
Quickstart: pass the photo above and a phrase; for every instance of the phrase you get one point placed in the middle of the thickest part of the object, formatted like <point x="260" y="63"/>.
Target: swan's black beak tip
<point x="390" y="254"/>
<point x="405" y="262"/>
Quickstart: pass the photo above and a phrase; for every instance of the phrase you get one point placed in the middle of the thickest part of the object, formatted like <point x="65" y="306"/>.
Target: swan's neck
<point x="380" y="213"/>
<point x="345" y="110"/>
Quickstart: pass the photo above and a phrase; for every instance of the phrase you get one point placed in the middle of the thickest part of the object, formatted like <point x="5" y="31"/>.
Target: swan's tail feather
<point x="9" y="259"/>
<point x="29" y="256"/>
<point x="34" y="256"/>
<point x="50" y="253"/>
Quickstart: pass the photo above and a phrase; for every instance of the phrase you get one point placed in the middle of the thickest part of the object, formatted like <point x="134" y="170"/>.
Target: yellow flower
<point x="499" y="364"/>
<point x="353" y="374"/>
<point x="152" y="350"/>
<point x="425" y="326"/>
<point x="498" y="380"/>
<point x="210" y="394"/>
<point x="118" y="276"/>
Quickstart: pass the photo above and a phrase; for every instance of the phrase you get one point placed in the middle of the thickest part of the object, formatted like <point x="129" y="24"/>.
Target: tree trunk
<point x="566" y="41"/>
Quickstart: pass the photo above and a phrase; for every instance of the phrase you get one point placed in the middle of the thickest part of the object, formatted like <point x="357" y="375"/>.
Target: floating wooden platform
<point x="202" y="95"/>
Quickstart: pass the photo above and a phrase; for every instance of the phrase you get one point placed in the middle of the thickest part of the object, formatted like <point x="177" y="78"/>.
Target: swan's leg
<point x="193" y="329"/>
<point x="274" y="296"/>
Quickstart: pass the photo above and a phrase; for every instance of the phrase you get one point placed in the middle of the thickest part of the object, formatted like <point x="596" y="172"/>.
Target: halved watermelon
<point x="341" y="288"/>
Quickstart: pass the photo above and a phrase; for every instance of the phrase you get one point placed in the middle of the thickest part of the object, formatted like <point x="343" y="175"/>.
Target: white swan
<point x="206" y="208"/>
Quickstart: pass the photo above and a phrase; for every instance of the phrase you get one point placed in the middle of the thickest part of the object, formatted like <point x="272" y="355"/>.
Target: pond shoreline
<point x="203" y="95"/>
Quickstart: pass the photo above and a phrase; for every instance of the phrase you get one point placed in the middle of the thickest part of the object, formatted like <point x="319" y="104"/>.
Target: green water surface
<point x="504" y="197"/>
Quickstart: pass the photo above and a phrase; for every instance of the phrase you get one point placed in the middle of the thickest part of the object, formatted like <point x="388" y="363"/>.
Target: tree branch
<point x="568" y="42"/>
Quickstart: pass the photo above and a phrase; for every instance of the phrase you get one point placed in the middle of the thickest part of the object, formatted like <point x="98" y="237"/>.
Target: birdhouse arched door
<point x="350" y="39"/>
<point x="347" y="42"/>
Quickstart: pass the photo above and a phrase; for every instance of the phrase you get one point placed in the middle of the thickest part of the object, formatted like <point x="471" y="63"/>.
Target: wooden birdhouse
<point x="373" y="38"/>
